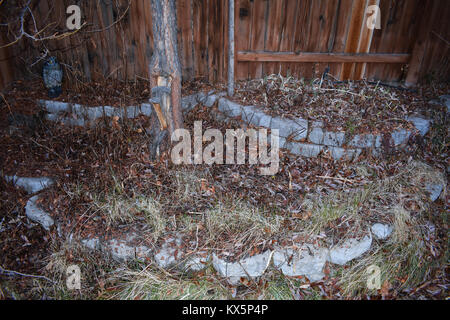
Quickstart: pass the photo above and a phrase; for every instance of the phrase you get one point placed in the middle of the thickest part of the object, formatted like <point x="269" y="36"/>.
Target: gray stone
<point x="208" y="100"/>
<point x="55" y="106"/>
<point x="381" y="231"/>
<point x="36" y="214"/>
<point x="333" y="139"/>
<point x="197" y="262"/>
<point x="400" y="137"/>
<point x="252" y="267"/>
<point x="229" y="108"/>
<point x="94" y="113"/>
<point x="79" y="110"/>
<point x="316" y="136"/>
<point x="109" y="111"/>
<point x="132" y="111"/>
<point x="446" y="99"/>
<point x="189" y="102"/>
<point x="377" y="142"/>
<point x="443" y="100"/>
<point x="248" y="113"/>
<point x="281" y="140"/>
<point x="421" y="124"/>
<point x="264" y="120"/>
<point x="170" y="253"/>
<point x="304" y="149"/>
<point x="307" y="261"/>
<point x="124" y="249"/>
<point x="30" y="185"/>
<point x="297" y="129"/>
<point x="146" y="109"/>
<point x="362" y="141"/>
<point x="91" y="243"/>
<point x="435" y="190"/>
<point x="341" y="153"/>
<point x="255" y="117"/>
<point x="349" y="250"/>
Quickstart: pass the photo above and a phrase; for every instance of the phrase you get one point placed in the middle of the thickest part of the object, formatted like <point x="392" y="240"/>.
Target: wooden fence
<point x="297" y="37"/>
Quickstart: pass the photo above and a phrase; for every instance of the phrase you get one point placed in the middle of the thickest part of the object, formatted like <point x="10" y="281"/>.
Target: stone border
<point x="303" y="259"/>
<point x="301" y="137"/>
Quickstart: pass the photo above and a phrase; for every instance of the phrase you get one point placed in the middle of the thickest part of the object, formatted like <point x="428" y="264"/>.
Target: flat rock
<point x="197" y="262"/>
<point x="252" y="267"/>
<point x="306" y="261"/>
<point x="381" y="231"/>
<point x="333" y="139"/>
<point x="125" y="249"/>
<point x="435" y="190"/>
<point x="189" y="102"/>
<point x="338" y="153"/>
<point x="316" y="135"/>
<point x="30" y="185"/>
<point x="170" y="253"/>
<point x="54" y="106"/>
<point x="443" y="100"/>
<point x="91" y="243"/>
<point x="297" y="129"/>
<point x="362" y="141"/>
<point x="230" y="108"/>
<point x="36" y="214"/>
<point x="400" y="137"/>
<point x="349" y="250"/>
<point x="304" y="149"/>
<point x="421" y="124"/>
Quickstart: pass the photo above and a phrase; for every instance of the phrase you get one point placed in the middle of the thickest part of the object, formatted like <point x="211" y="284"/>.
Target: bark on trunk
<point x="165" y="75"/>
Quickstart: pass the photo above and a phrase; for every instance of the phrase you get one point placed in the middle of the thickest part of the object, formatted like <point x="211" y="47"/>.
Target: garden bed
<point x="107" y="189"/>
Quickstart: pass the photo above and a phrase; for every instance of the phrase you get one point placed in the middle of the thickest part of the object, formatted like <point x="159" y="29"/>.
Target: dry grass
<point x="238" y="225"/>
<point x="404" y="258"/>
<point x="93" y="265"/>
<point x="155" y="284"/>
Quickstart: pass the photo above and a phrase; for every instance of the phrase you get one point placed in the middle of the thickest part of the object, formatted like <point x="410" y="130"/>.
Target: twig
<point x="7" y="104"/>
<point x="12" y="272"/>
<point x="337" y="178"/>
<point x="440" y="37"/>
<point x="47" y="148"/>
<point x="35" y="36"/>
<point x="114" y="23"/>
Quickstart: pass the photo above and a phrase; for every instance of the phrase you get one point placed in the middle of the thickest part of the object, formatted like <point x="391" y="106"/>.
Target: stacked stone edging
<point x="310" y="138"/>
<point x="300" y="136"/>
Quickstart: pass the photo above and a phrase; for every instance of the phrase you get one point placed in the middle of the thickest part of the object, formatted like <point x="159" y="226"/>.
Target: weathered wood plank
<point x="242" y="35"/>
<point x="353" y="36"/>
<point x="257" y="35"/>
<point x="417" y="56"/>
<point x="312" y="57"/>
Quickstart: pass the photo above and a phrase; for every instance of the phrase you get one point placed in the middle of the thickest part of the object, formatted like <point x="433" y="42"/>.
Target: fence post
<point x="231" y="48"/>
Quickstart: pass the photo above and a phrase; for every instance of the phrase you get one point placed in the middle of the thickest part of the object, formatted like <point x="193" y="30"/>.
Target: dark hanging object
<point x="52" y="74"/>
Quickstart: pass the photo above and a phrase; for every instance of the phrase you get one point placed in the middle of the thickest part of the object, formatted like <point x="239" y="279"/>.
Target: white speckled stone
<point x="36" y="214"/>
<point x="306" y="261"/>
<point x="349" y="250"/>
<point x="252" y="267"/>
<point x="381" y="231"/>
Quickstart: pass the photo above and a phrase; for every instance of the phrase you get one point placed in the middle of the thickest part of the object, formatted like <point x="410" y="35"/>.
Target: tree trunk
<point x="165" y="75"/>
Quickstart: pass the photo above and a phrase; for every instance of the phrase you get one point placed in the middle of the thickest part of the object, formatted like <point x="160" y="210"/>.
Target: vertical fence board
<point x="122" y="49"/>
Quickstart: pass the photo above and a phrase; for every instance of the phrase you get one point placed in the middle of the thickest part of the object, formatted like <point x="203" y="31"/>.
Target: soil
<point x="95" y="158"/>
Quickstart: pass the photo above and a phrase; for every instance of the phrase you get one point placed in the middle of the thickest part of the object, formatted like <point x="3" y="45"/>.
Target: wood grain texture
<point x="264" y="56"/>
<point x="111" y="49"/>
